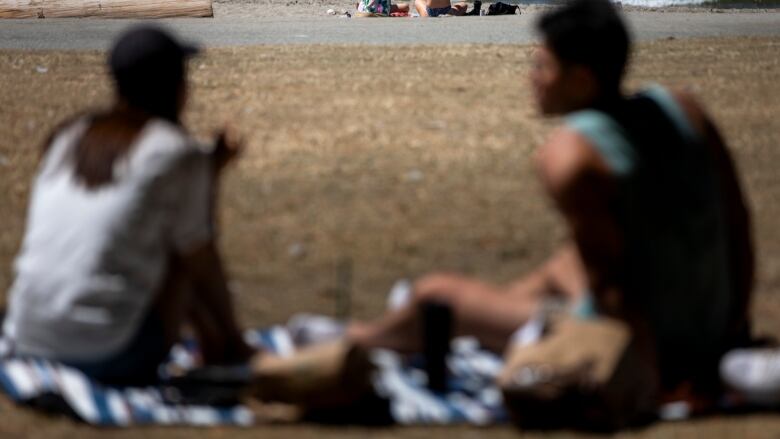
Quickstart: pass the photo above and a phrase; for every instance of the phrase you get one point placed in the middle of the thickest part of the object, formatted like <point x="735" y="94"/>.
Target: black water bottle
<point x="437" y="333"/>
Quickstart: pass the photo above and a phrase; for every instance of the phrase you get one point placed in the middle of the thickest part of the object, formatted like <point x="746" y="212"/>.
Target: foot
<point x="309" y="329"/>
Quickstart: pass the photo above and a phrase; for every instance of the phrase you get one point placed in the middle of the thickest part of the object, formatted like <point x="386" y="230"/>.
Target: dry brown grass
<point x="354" y="156"/>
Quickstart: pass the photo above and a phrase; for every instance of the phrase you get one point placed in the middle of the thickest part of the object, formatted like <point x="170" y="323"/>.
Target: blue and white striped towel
<point x="28" y="380"/>
<point x="472" y="396"/>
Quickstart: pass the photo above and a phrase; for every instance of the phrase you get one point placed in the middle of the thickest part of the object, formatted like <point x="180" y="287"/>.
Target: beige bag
<point x="585" y="374"/>
<point x="321" y="376"/>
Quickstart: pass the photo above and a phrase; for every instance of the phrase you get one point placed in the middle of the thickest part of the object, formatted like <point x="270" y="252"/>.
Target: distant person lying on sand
<point x="119" y="249"/>
<point x="399" y="8"/>
<point x="659" y="231"/>
<point x="435" y="8"/>
<point x="381" y="7"/>
<point x="426" y="8"/>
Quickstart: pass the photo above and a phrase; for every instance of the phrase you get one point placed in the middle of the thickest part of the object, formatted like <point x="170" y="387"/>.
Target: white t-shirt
<point x="92" y="260"/>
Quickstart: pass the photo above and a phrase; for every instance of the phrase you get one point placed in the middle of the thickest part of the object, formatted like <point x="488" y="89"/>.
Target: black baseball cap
<point x="147" y="46"/>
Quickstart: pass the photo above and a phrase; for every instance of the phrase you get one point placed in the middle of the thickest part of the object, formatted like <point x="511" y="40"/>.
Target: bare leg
<point x="485" y="311"/>
<point x="399" y="7"/>
<point x="458" y="9"/>
<point x="422" y="7"/>
<point x="479" y="309"/>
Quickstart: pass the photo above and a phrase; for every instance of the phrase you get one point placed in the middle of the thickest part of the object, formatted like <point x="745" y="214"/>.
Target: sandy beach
<point x="352" y="159"/>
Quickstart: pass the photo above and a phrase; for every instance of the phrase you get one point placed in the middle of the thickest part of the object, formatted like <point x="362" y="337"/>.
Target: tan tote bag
<point x="582" y="374"/>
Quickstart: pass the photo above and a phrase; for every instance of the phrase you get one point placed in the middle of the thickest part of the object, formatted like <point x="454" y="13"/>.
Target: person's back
<point x="93" y="259"/>
<point x="675" y="268"/>
<point x="119" y="249"/>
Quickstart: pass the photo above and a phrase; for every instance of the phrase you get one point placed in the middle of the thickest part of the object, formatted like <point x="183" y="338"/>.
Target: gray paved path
<point x="97" y="34"/>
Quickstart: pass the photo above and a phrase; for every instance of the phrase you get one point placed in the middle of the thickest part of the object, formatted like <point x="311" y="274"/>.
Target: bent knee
<point x="443" y="288"/>
<point x="437" y="281"/>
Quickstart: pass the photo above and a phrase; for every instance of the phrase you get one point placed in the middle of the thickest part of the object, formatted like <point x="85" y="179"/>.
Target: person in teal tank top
<point x="674" y="265"/>
<point x="659" y="231"/>
<point x="652" y="196"/>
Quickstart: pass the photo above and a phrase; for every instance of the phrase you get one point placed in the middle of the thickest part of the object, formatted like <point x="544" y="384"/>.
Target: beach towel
<point x="374" y="8"/>
<point x="471" y="395"/>
<point x="55" y="388"/>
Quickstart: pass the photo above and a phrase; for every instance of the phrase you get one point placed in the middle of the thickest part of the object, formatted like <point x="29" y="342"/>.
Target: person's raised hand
<point x="229" y="145"/>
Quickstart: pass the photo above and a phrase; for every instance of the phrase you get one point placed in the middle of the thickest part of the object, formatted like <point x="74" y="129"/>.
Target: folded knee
<point x="437" y="280"/>
<point x="438" y="287"/>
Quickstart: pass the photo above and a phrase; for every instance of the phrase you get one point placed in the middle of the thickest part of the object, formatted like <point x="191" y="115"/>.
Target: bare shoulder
<point x="693" y="109"/>
<point x="566" y="157"/>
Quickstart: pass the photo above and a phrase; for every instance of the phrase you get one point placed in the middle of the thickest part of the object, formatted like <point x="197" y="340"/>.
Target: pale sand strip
<point x="223" y="32"/>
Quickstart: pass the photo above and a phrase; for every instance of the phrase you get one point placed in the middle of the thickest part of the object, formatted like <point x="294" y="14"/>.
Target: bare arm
<point x="582" y="187"/>
<point x="211" y="307"/>
<point x="212" y="311"/>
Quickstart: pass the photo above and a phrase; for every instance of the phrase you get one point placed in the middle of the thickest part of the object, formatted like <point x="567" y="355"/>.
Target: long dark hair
<point x="108" y="138"/>
<point x="149" y="86"/>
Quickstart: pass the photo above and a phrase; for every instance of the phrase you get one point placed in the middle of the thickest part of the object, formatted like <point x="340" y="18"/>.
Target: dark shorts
<point x="435" y="12"/>
<point x="138" y="363"/>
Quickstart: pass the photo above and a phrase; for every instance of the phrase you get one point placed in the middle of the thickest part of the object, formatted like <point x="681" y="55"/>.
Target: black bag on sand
<point x="475" y="10"/>
<point x="500" y="8"/>
<point x="582" y="374"/>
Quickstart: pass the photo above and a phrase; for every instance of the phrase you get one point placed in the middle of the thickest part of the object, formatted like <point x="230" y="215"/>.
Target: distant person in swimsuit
<point x="378" y="7"/>
<point x="659" y="233"/>
<point x="435" y="8"/>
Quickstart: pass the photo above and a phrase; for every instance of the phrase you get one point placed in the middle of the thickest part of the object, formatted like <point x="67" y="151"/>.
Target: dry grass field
<point x="396" y="161"/>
